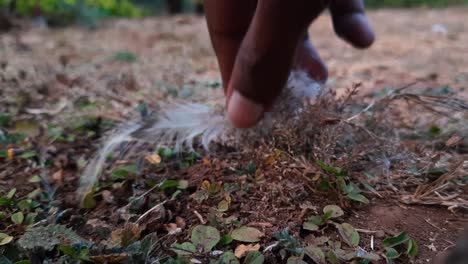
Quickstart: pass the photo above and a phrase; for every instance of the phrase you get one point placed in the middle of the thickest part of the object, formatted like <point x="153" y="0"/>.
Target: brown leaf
<point x="125" y="236"/>
<point x="180" y="222"/>
<point x="107" y="196"/>
<point x="57" y="177"/>
<point x="172" y="228"/>
<point x="242" y="250"/>
<point x="112" y="258"/>
<point x="153" y="158"/>
<point x="453" y="141"/>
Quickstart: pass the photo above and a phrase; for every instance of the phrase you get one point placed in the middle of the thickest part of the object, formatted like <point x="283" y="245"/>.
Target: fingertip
<point x="355" y="28"/>
<point x="309" y="60"/>
<point x="243" y="112"/>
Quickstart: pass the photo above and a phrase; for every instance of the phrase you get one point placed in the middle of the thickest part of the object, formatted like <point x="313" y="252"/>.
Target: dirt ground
<point x="56" y="78"/>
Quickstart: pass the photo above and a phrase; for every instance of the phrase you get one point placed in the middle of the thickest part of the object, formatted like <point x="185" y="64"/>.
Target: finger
<point x="265" y="57"/>
<point x="351" y="23"/>
<point x="308" y="60"/>
<point x="228" y="22"/>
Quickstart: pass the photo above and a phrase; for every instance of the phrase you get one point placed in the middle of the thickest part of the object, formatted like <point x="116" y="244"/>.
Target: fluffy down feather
<point x="181" y="125"/>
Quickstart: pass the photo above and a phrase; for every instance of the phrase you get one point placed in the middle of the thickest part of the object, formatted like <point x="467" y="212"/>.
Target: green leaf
<point x="295" y="260"/>
<point x="315" y="253"/>
<point x="4" y="201"/>
<point x="125" y="56"/>
<point x="223" y="206"/>
<point x="412" y="249"/>
<point x="228" y="258"/>
<point x="330" y="169"/>
<point x="11" y="193"/>
<point x="335" y="210"/>
<point x="391" y="253"/>
<point x="168" y="184"/>
<point x="68" y="250"/>
<point x="24" y="205"/>
<point x="317" y="220"/>
<point x="166" y="153"/>
<point x="391" y="242"/>
<point x="254" y="257"/>
<point x="30" y="219"/>
<point x="17" y="218"/>
<point x="310" y="226"/>
<point x="5" y="239"/>
<point x="88" y="201"/>
<point x="247" y="234"/>
<point x="124" y="171"/>
<point x="28" y="155"/>
<point x="225" y="240"/>
<point x="184" y="249"/>
<point x="183" y="184"/>
<point x="349" y="234"/>
<point x="26" y="261"/>
<point x="332" y="258"/>
<point x="35" y="179"/>
<point x="358" y="197"/>
<point x="205" y="237"/>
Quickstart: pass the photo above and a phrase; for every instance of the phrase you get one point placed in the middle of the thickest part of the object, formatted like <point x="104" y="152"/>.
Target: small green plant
<point x="125" y="56"/>
<point x="123" y="172"/>
<point x="77" y="252"/>
<point x="203" y="239"/>
<point x="313" y="223"/>
<point x="349" y="189"/>
<point x="398" y="246"/>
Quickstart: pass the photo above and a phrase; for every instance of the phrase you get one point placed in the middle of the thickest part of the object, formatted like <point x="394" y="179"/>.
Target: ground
<point x="63" y="88"/>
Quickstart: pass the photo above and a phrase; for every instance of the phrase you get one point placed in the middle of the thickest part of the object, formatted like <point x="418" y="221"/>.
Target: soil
<point x="40" y="68"/>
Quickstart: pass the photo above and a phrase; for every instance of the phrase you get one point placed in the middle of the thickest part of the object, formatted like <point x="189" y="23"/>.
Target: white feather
<point x="180" y="125"/>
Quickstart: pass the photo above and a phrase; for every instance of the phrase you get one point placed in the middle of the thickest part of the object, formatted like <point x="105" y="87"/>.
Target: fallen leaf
<point x="180" y="222"/>
<point x="112" y="258"/>
<point x="247" y="234"/>
<point x="242" y="249"/>
<point x="154" y="158"/>
<point x="57" y="177"/>
<point x="107" y="196"/>
<point x="125" y="236"/>
<point x="172" y="229"/>
<point x="206" y="161"/>
<point x="453" y="141"/>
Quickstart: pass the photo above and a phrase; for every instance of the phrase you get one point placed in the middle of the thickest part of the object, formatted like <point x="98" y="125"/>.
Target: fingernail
<point x="243" y="112"/>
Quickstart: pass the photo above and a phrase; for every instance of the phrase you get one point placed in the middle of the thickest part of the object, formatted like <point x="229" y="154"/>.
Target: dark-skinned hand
<point x="258" y="42"/>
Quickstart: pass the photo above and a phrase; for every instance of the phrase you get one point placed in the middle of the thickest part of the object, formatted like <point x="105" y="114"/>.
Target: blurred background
<point x="90" y="12"/>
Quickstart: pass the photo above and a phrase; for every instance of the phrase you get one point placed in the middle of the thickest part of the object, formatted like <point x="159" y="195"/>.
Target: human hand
<point x="257" y="42"/>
